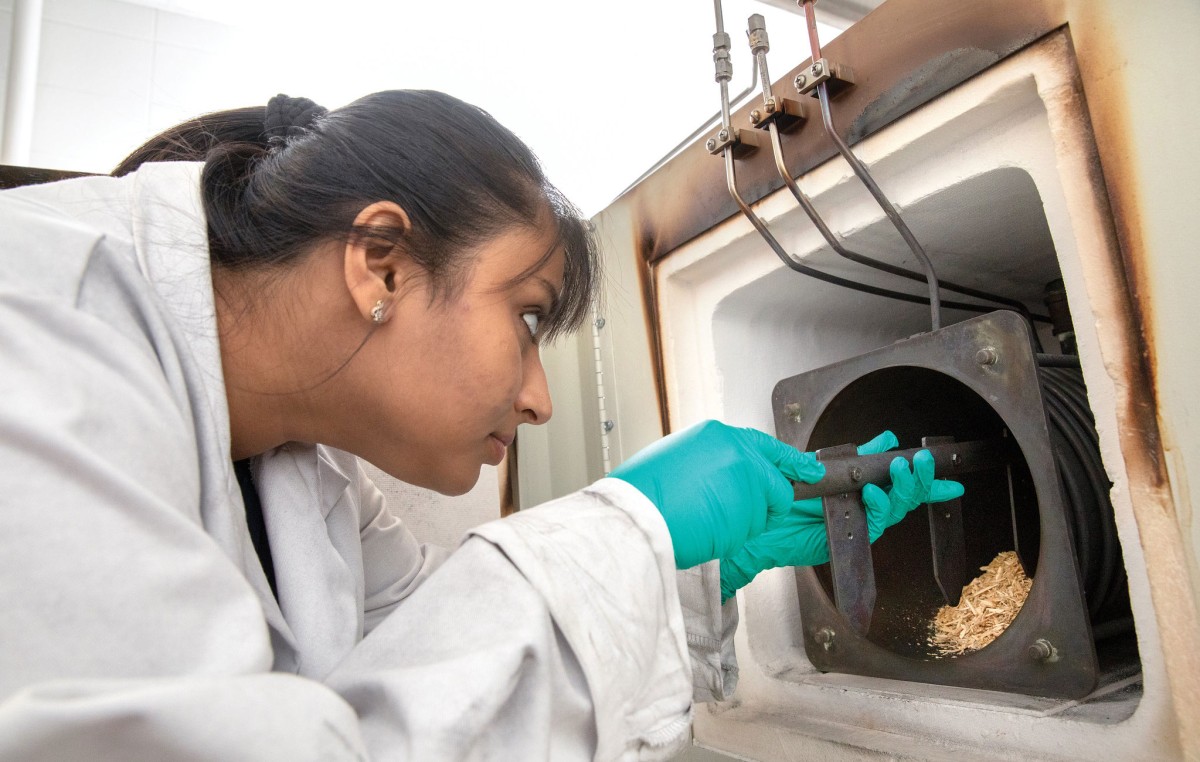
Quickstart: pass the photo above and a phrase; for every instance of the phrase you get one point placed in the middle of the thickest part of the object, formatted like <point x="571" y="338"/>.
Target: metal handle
<point x="851" y="474"/>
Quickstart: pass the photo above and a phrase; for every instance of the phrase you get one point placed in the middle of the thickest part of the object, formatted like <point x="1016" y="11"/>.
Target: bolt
<point x="800" y="81"/>
<point x="755" y="116"/>
<point x="824" y="636"/>
<point x="608" y="426"/>
<point x="794" y="411"/>
<point x="987" y="356"/>
<point x="723" y="135"/>
<point x="855" y="474"/>
<point x="770" y="106"/>
<point x="817" y="69"/>
<point x="956" y="459"/>
<point x="711" y="144"/>
<point x="600" y="321"/>
<point x="1043" y="650"/>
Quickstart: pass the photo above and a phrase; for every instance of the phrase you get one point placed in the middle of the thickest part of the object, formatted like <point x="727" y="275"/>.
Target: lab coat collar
<point x="299" y="486"/>
<point x="170" y="237"/>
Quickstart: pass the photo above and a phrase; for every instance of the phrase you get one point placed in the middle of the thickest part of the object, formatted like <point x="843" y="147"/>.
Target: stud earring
<point x="377" y="312"/>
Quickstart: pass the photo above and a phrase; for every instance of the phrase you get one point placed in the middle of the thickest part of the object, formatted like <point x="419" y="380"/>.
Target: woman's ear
<point x="374" y="264"/>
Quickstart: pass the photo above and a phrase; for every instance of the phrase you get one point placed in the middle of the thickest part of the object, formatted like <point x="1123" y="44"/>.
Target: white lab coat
<point x="137" y="622"/>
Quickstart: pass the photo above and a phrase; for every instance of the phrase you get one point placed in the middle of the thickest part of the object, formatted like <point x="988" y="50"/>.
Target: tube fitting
<point x="757" y="32"/>
<point x="721" y="59"/>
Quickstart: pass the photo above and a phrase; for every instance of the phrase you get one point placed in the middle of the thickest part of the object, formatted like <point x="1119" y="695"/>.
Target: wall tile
<point x="112" y="16"/>
<point x="95" y="62"/>
<point x="177" y="29"/>
<point x="189" y="77"/>
<point x="113" y="73"/>
<point x="85" y="131"/>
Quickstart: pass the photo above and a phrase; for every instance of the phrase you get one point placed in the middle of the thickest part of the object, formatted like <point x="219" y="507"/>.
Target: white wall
<point x="111" y="74"/>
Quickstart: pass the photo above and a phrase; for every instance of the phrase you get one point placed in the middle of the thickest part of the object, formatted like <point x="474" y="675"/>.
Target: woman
<point x="194" y="564"/>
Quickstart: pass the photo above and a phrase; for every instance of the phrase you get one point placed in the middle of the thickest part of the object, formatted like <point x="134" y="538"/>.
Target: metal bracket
<point x="838" y="78"/>
<point x="743" y="142"/>
<point x="785" y="113"/>
<point x="946" y="538"/>
<point x="849" y="550"/>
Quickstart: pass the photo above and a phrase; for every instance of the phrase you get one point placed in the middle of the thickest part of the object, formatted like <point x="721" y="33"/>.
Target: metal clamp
<point x="741" y="142"/>
<point x="784" y="113"/>
<point x="838" y="78"/>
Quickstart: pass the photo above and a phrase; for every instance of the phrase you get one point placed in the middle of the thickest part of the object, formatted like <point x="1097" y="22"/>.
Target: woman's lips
<point x="499" y="446"/>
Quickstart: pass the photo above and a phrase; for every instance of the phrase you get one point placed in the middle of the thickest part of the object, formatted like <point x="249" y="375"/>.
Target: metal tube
<point x="722" y="61"/>
<point x="756" y="32"/>
<point x="864" y="175"/>
<point x="22" y="82"/>
<point x="810" y="210"/>
<point x="810" y="17"/>
<point x="720" y="40"/>
<point x="949" y="460"/>
<point x="764" y="231"/>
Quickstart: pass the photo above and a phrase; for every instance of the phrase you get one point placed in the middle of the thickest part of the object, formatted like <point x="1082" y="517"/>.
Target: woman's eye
<point x="531" y="320"/>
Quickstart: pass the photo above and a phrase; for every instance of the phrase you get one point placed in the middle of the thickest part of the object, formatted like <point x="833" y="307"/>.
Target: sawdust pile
<point x="987" y="607"/>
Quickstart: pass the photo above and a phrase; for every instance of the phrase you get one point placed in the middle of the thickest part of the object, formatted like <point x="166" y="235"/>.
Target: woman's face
<point x="444" y="383"/>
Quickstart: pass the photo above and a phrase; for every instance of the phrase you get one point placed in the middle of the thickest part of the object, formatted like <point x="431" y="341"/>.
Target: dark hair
<point x="271" y="192"/>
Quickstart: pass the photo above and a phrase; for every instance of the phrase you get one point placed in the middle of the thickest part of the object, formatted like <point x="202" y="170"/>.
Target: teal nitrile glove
<point x="800" y="538"/>
<point x="717" y="486"/>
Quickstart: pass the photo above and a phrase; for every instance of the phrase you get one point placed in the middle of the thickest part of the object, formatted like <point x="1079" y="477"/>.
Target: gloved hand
<point x="799" y="539"/>
<point x="717" y="486"/>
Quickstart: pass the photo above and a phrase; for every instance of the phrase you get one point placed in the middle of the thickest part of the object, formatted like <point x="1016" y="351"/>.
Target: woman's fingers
<point x="923" y="472"/>
<point x="795" y="465"/>
<point x="881" y="443"/>
<point x="879" y="509"/>
<point x="944" y="489"/>
<point x="780" y="497"/>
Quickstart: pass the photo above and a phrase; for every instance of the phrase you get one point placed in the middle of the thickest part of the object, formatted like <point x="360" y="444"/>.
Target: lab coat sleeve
<point x="710" y="628"/>
<point x="577" y="592"/>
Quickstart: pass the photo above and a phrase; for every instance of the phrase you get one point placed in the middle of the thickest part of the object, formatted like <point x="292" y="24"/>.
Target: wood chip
<point x="988" y="606"/>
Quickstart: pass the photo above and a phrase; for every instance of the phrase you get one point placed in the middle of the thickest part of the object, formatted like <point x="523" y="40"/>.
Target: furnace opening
<point x="915" y="402"/>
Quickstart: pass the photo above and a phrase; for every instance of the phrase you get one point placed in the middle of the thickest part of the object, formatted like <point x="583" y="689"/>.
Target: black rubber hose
<point x="1085" y="486"/>
<point x="1080" y="431"/>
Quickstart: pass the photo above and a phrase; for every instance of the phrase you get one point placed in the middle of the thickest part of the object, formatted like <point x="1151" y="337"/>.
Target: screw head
<point x="955" y="458"/>
<point x="855" y="474"/>
<point x="825" y="637"/>
<point x="817" y="69"/>
<point x="800" y="81"/>
<point x="1043" y="650"/>
<point x="711" y="144"/>
<point x="770" y="106"/>
<point x="600" y="321"/>
<point x="608" y="425"/>
<point x="723" y="135"/>
<point x="987" y="356"/>
<point x="755" y="116"/>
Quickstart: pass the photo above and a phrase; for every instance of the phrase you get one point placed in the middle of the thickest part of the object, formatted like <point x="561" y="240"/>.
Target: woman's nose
<point x="533" y="401"/>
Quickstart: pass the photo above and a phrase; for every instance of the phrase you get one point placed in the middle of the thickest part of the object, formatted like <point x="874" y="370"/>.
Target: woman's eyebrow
<point x="551" y="291"/>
